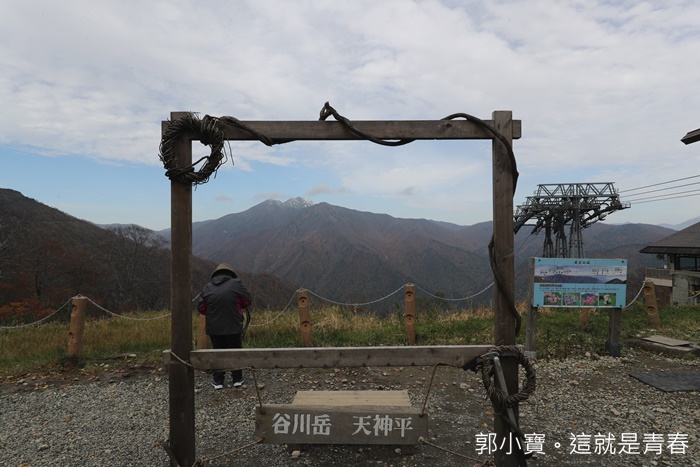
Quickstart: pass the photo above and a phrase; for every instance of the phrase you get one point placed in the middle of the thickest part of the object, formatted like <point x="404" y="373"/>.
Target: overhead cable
<point x="657" y="184"/>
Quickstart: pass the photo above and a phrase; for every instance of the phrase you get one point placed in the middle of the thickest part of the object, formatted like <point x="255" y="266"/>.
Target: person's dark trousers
<point x="228" y="341"/>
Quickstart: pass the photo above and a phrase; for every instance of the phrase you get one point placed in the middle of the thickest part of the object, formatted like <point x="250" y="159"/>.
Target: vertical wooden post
<point x="307" y="339"/>
<point x="410" y="313"/>
<point x="202" y="340"/>
<point x="531" y="335"/>
<point x="503" y="241"/>
<point x="181" y="376"/>
<point x="612" y="345"/>
<point x="75" y="332"/>
<point x="585" y="316"/>
<point x="651" y="304"/>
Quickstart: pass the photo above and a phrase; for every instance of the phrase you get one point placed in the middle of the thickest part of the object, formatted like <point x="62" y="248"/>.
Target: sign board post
<point x="583" y="283"/>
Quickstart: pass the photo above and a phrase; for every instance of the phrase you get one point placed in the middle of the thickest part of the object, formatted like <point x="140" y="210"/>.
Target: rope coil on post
<point x="502" y="402"/>
<point x="493" y="392"/>
<point x="209" y="134"/>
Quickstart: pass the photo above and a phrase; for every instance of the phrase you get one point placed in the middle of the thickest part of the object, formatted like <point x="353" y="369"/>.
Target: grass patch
<point x="42" y="347"/>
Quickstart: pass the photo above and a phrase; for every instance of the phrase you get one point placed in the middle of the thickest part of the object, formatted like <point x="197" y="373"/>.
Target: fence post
<point x="202" y="341"/>
<point x="75" y="333"/>
<point x="531" y="333"/>
<point x="410" y="313"/>
<point x="305" y="318"/>
<point x="651" y="303"/>
<point x="585" y="316"/>
<point x="612" y="345"/>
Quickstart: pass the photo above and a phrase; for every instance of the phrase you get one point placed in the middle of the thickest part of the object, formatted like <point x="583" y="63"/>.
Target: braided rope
<point x="209" y="131"/>
<point x="204" y="460"/>
<point x="358" y="304"/>
<point x="499" y="400"/>
<point x="40" y="320"/>
<point x="328" y="110"/>
<point x="635" y="298"/>
<point x="457" y="299"/>
<point x="122" y="316"/>
<point x="276" y="316"/>
<point x="430" y="385"/>
<point x="422" y="440"/>
<point x="209" y="134"/>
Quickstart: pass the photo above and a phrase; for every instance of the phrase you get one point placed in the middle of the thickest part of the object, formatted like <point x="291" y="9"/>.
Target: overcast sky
<point x="605" y="90"/>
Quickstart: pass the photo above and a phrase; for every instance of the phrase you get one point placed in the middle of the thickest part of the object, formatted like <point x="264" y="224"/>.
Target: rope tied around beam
<point x="328" y="110"/>
<point x="208" y="132"/>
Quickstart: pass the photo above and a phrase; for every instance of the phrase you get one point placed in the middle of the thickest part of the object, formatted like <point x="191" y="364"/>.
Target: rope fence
<point x="39" y="320"/>
<point x="280" y="313"/>
<point x="283" y="310"/>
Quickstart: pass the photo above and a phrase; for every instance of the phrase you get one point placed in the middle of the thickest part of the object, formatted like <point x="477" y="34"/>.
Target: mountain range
<point x="340" y="254"/>
<point x="351" y="256"/>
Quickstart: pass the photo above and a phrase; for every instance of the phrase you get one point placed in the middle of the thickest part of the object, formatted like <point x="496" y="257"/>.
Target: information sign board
<point x="579" y="282"/>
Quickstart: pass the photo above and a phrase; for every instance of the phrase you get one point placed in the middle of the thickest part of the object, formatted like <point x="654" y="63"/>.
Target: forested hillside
<point x="47" y="257"/>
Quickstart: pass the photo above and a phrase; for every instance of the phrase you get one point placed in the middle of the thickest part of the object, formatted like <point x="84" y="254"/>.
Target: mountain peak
<point x="297" y="203"/>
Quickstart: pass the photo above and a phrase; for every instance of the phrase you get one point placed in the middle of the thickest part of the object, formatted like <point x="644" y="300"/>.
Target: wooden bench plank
<point x="333" y="357"/>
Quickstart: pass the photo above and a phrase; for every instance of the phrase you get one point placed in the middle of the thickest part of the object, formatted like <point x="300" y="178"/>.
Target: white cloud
<point x="604" y="89"/>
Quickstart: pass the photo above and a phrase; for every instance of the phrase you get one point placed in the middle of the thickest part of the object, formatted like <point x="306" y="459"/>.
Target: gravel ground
<point x="119" y="416"/>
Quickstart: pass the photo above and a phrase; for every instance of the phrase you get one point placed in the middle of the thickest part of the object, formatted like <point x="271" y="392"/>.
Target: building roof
<point x="683" y="242"/>
<point x="691" y="137"/>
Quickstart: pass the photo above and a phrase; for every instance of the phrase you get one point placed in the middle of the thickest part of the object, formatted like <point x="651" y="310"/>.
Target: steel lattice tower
<point x="556" y="206"/>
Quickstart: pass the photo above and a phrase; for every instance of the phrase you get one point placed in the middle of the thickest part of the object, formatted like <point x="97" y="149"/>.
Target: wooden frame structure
<point x="181" y="375"/>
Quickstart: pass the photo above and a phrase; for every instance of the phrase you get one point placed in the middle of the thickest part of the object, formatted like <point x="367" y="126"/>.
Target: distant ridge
<point x="682" y="225"/>
<point x="353" y="256"/>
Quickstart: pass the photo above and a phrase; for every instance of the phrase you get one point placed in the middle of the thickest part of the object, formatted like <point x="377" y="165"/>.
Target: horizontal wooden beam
<point x="282" y="131"/>
<point x="332" y="357"/>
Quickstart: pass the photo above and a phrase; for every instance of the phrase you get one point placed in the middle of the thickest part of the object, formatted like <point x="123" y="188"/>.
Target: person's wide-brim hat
<point x="224" y="267"/>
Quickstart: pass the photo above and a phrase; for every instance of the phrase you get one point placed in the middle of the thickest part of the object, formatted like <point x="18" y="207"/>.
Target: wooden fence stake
<point x="307" y="339"/>
<point x="202" y="340"/>
<point x="75" y="333"/>
<point x="410" y="313"/>
<point x="531" y="333"/>
<point x="585" y="316"/>
<point x="612" y="345"/>
<point x="652" y="304"/>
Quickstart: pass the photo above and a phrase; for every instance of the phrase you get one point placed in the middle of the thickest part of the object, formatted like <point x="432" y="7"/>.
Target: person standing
<point x="222" y="302"/>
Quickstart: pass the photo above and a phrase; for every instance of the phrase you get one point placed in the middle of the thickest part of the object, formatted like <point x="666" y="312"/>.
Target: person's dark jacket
<point x="222" y="301"/>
